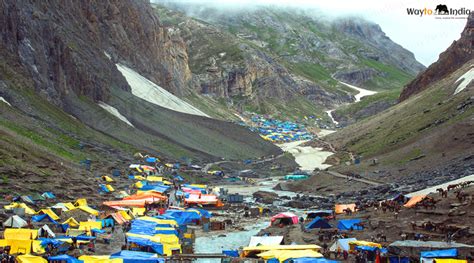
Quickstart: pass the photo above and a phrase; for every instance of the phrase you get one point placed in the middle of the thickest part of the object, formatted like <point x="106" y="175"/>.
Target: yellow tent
<point x="20" y="233"/>
<point x="100" y="259"/>
<point x="110" y="188"/>
<point x="154" y="178"/>
<point x="49" y="212"/>
<point x="449" y="260"/>
<point x="139" y="177"/>
<point x="169" y="165"/>
<point x="138" y="185"/>
<point x="125" y="215"/>
<point x="169" y="242"/>
<point x="159" y="221"/>
<point x="283" y="255"/>
<point x="37" y="248"/>
<point x="90" y="225"/>
<point x="30" y="259"/>
<point x="81" y="202"/>
<point x="71" y="222"/>
<point x="19" y="246"/>
<point x="28" y="210"/>
<point x="107" y="178"/>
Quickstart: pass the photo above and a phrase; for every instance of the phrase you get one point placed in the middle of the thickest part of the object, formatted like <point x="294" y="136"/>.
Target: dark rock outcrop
<point x="66" y="45"/>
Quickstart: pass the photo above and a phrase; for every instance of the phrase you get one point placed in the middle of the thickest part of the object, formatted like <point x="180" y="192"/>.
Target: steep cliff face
<point x="254" y="55"/>
<point x="65" y="45"/>
<point x="456" y="55"/>
<point x="66" y="53"/>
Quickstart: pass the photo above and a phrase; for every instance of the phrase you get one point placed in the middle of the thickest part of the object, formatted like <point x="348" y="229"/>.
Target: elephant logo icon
<point x="442" y="10"/>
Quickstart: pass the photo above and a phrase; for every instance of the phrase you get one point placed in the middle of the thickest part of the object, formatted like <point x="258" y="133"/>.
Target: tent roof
<point x="265" y="240"/>
<point x="347" y="224"/>
<point x="15" y="221"/>
<point x="318" y="222"/>
<point x="445" y="253"/>
<point x="342" y="243"/>
<point x="414" y="200"/>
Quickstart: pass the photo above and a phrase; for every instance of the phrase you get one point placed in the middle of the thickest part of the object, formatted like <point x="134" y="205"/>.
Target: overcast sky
<point x="426" y="37"/>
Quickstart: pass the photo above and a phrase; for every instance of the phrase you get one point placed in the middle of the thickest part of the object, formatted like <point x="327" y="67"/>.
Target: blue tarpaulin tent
<point x="129" y="256"/>
<point x="398" y="260"/>
<point x="150" y="160"/>
<point x="445" y="253"/>
<point x="366" y="248"/>
<point x="349" y="224"/>
<point x="48" y="195"/>
<point x="318" y="222"/>
<point x="183" y="217"/>
<point x="157" y="247"/>
<point x="42" y="217"/>
<point x="65" y="258"/>
<point x="231" y="253"/>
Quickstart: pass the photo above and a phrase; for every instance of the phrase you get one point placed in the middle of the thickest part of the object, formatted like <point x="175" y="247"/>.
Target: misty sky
<point x="426" y="36"/>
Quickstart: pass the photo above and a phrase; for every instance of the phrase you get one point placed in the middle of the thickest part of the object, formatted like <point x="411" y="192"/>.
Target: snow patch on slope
<point x="5" y="101"/>
<point x="466" y="79"/>
<point x="114" y="112"/>
<point x="149" y="91"/>
<point x="362" y="92"/>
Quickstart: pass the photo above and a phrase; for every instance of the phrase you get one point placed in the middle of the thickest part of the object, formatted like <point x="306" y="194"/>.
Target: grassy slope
<point x="407" y="123"/>
<point x="389" y="96"/>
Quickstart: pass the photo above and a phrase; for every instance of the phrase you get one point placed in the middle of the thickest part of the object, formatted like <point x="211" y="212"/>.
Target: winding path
<point x="362" y="180"/>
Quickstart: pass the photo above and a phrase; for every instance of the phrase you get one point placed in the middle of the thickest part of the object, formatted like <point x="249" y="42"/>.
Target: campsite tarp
<point x="15" y="222"/>
<point x="341" y="244"/>
<point x="349" y="224"/>
<point x="183" y="217"/>
<point x="144" y="242"/>
<point x="49" y="212"/>
<point x="283" y="255"/>
<point x="248" y="250"/>
<point x="20" y="234"/>
<point x="28" y="210"/>
<point x="30" y="259"/>
<point x="310" y="260"/>
<point x="289" y="215"/>
<point x="100" y="259"/>
<point x="65" y="258"/>
<point x="48" y="195"/>
<point x="414" y="200"/>
<point x="71" y="222"/>
<point x="445" y="253"/>
<point x="318" y="222"/>
<point x="265" y="240"/>
<point x="450" y="260"/>
<point x="42" y="217"/>
<point x="339" y="208"/>
<point x="202" y="199"/>
<point x="137" y="256"/>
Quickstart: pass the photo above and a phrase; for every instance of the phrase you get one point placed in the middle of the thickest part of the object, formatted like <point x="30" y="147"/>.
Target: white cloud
<point x="426" y="37"/>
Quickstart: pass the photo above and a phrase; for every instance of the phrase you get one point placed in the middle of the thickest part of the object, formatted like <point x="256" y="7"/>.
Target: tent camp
<point x="15" y="222"/>
<point x="318" y="222"/>
<point x="137" y="256"/>
<point x="64" y="258"/>
<point x="341" y="244"/>
<point x="265" y="240"/>
<point x="444" y="253"/>
<point x="349" y="224"/>
<point x="287" y="218"/>
<point x="46" y="231"/>
<point x="30" y="259"/>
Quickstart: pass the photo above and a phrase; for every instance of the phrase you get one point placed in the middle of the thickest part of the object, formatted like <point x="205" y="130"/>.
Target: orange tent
<point x="203" y="199"/>
<point x="414" y="200"/>
<point x="339" y="209"/>
<point x="145" y="195"/>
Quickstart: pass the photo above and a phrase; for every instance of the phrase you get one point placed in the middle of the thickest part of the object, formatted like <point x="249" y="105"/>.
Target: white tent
<point x="15" y="221"/>
<point x="48" y="230"/>
<point x="341" y="244"/>
<point x="265" y="241"/>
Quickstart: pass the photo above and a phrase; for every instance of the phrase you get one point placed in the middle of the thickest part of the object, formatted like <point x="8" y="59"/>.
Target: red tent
<point x="285" y="218"/>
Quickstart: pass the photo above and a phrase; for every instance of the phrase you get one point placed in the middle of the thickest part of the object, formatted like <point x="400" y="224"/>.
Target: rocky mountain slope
<point x="427" y="136"/>
<point x="64" y="99"/>
<point x="459" y="53"/>
<point x="273" y="60"/>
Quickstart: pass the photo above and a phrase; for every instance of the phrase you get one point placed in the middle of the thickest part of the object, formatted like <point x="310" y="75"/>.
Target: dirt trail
<point x="362" y="180"/>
